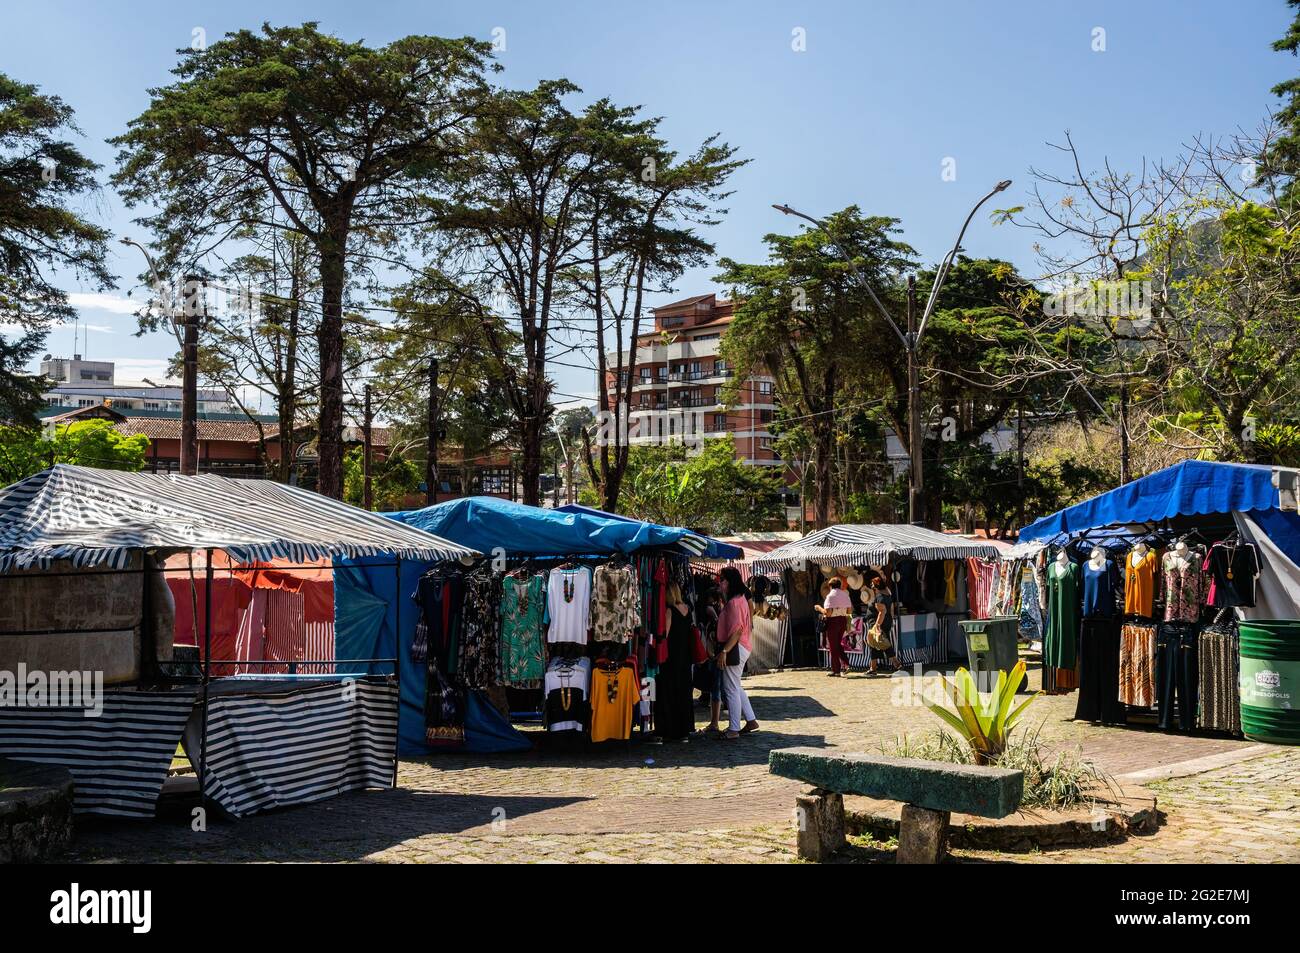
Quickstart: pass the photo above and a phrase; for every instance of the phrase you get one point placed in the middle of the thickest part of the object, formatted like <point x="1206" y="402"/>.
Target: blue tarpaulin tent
<point x="367" y="592"/>
<point x="570" y="531"/>
<point x="1190" y="488"/>
<point x="713" y="549"/>
<point x="1243" y="494"/>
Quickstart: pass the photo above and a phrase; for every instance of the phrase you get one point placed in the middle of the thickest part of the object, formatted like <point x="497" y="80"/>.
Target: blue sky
<point x="866" y="114"/>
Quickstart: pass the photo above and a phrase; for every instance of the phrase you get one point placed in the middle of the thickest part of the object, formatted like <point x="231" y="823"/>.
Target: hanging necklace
<point x="570" y="588"/>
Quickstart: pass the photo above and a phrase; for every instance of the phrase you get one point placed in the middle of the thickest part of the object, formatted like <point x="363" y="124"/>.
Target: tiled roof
<point x="169" y="428"/>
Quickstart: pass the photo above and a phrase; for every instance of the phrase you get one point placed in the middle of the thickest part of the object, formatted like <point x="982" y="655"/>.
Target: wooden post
<point x="431" y="465"/>
<point x="367" y="487"/>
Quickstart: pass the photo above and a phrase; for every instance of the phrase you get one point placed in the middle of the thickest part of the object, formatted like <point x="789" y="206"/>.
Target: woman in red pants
<point x="837" y="608"/>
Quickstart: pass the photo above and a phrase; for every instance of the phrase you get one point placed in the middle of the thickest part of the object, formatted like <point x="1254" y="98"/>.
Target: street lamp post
<point x="911" y="341"/>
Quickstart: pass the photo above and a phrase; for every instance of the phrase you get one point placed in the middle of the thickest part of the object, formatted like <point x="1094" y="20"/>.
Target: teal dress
<point x="523" y="602"/>
<point x="1064" y="602"/>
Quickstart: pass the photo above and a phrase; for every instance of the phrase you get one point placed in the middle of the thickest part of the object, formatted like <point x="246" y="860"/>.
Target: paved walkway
<point x="710" y="800"/>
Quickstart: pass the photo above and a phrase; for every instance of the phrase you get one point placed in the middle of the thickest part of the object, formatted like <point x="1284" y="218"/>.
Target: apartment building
<point x="680" y="375"/>
<point x="77" y="383"/>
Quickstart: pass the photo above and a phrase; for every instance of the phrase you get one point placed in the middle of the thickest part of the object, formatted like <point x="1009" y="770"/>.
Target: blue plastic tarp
<point x="367" y="597"/>
<point x="713" y="549"/>
<point x="496" y="524"/>
<point x="1190" y="488"/>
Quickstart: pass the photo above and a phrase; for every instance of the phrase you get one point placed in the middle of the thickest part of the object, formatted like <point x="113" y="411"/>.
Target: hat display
<point x="853" y="579"/>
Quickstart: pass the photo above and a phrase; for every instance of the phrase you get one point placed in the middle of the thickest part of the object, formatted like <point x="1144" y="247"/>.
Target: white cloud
<point x="138" y="368"/>
<point x="103" y="302"/>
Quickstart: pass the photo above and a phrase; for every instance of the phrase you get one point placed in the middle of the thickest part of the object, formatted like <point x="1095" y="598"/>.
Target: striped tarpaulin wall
<point x="307" y="744"/>
<point x="118" y="760"/>
<point x="98" y="517"/>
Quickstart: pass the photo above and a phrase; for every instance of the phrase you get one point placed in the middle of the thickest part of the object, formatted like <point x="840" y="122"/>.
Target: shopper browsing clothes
<point x="734" y="643"/>
<point x="709" y="675"/>
<point x="836" y="609"/>
<point x="880" y="612"/>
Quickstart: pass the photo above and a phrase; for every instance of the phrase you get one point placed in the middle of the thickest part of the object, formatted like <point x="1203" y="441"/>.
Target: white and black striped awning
<point x="98" y="517"/>
<point x="870" y="544"/>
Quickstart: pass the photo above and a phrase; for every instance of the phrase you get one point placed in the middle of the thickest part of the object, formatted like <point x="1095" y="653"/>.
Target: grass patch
<point x="1053" y="780"/>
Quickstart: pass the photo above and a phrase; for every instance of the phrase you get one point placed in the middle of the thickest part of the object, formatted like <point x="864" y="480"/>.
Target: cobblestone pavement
<point x="713" y="801"/>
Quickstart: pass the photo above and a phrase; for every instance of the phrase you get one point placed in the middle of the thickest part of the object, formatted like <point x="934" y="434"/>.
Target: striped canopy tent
<point x="871" y="544"/>
<point x="98" y="517"/>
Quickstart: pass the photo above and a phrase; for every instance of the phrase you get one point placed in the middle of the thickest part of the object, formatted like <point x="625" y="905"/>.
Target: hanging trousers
<point x="1099" y="673"/>
<point x="1177" y="674"/>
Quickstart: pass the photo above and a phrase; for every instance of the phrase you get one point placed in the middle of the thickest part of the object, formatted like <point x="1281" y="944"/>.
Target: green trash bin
<point x="991" y="648"/>
<point x="1269" y="680"/>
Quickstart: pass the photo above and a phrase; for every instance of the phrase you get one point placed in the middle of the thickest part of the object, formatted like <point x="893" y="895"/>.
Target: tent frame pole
<point x="397" y="662"/>
<point x="207" y="678"/>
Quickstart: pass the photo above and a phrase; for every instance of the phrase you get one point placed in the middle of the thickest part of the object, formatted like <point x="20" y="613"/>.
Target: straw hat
<point x="853" y="579"/>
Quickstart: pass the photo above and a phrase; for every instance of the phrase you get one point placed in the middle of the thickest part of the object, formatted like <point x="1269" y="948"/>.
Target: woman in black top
<point x="674" y="708"/>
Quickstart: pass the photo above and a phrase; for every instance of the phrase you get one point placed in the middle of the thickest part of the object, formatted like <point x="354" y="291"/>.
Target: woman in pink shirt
<point x="837" y="609"/>
<point x="734" y="641"/>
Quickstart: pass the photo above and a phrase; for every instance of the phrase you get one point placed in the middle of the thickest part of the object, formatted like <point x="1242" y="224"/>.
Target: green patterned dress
<point x="522" y="604"/>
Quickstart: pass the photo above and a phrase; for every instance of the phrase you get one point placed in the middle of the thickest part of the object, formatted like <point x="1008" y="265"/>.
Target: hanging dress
<point x="522" y="660"/>
<point x="1064" y="600"/>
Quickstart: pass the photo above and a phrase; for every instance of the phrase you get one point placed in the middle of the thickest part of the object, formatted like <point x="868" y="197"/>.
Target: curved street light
<point x="910" y="340"/>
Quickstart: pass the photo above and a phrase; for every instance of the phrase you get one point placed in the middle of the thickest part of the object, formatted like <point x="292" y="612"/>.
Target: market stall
<point x="564" y="599"/>
<point x="1151" y="592"/>
<point x="85" y="586"/>
<point x="929" y="582"/>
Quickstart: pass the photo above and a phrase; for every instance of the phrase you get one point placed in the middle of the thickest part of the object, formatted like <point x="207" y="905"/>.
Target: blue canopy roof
<point x="572" y="531"/>
<point x="1190" y="488"/>
<point x="714" y="548"/>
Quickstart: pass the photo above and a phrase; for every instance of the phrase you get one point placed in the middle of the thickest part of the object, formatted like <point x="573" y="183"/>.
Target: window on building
<point x="766" y="416"/>
<point x="706" y="337"/>
<point x="719" y="422"/>
<point x="765" y="387"/>
<point x="645" y="373"/>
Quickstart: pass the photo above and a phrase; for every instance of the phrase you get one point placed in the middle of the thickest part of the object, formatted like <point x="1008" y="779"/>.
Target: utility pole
<point x="186" y="311"/>
<point x="431" y="464"/>
<point x="1020" y="467"/>
<point x="916" y="484"/>
<point x="190" y="311"/>
<point x="367" y="485"/>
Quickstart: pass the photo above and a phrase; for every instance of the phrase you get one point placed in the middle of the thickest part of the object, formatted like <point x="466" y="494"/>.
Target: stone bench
<point x="930" y="791"/>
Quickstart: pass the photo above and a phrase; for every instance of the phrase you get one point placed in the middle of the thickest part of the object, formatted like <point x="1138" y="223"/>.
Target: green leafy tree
<point x="41" y="173"/>
<point x="805" y="317"/>
<point x="709" y="491"/>
<point x="341" y="139"/>
<point x="86" y="443"/>
<point x="392" y="479"/>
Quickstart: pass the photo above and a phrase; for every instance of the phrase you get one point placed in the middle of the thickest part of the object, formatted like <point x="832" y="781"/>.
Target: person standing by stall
<point x="734" y="643"/>
<point x="879" y="641"/>
<point x="710" y="672"/>
<point x="836" y="609"/>
<point x="674" y="711"/>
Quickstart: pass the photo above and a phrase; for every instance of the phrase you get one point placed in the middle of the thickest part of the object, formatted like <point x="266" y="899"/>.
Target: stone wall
<point x="35" y="811"/>
<point x="43" y="615"/>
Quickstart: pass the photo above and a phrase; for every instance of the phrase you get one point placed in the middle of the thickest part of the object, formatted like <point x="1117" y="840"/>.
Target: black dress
<point x="674" y="711"/>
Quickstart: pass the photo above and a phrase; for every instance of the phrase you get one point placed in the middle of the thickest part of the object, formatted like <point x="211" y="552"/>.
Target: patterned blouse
<point x="615" y="604"/>
<point x="1184" y="590"/>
